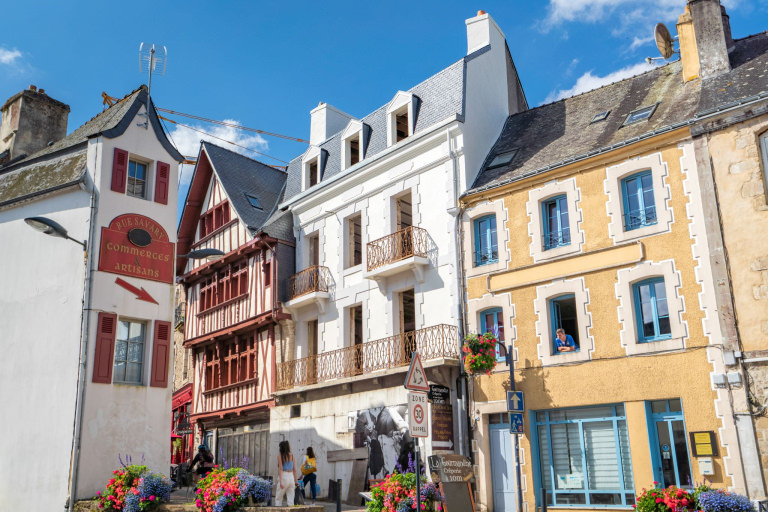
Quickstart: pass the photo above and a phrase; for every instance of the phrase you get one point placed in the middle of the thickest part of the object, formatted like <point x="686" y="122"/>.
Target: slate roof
<point x="63" y="163"/>
<point x="441" y="96"/>
<point x="559" y="133"/>
<point x="239" y="176"/>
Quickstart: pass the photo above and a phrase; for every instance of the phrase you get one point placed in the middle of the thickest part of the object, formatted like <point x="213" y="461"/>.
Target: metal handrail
<point x="313" y="279"/>
<point x="638" y="218"/>
<point x="488" y="255"/>
<point x="557" y="238"/>
<point x="411" y="241"/>
<point x="431" y="342"/>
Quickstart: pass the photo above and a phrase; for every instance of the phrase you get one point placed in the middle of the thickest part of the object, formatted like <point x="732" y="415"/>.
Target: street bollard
<point x="338" y="495"/>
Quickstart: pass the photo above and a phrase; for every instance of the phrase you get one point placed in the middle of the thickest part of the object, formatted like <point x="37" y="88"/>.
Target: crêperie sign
<point x="454" y="473"/>
<point x="137" y="246"/>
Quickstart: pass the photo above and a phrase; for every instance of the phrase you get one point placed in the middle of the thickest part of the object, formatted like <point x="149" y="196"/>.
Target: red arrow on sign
<point x="141" y="293"/>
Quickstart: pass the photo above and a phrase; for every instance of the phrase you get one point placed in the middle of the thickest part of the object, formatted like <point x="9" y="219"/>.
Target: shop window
<point x="583" y="456"/>
<point x="492" y="320"/>
<point x="129" y="352"/>
<point x="564" y="322"/>
<point x="651" y="310"/>
<point x="486" y="243"/>
<point x="557" y="230"/>
<point x="639" y="202"/>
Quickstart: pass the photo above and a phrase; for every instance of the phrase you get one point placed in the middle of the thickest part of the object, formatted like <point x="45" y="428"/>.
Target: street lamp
<point x="49" y="227"/>
<point x="203" y="254"/>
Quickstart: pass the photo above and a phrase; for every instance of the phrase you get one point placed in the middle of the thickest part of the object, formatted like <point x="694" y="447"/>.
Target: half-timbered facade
<point x="233" y="318"/>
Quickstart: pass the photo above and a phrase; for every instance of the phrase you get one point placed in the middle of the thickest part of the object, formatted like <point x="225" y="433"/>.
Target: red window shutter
<point x="119" y="170"/>
<point x="161" y="354"/>
<point x="105" y="348"/>
<point x="163" y="175"/>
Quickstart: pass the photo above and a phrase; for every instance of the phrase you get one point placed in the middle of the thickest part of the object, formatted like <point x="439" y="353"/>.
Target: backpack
<point x="309" y="467"/>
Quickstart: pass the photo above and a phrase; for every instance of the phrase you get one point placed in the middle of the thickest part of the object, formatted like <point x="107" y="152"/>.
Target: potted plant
<point x="227" y="490"/>
<point x="134" y="489"/>
<point x="479" y="353"/>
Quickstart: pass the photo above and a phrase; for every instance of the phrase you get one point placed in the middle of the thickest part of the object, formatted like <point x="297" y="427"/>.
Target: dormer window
<point x="354" y="140"/>
<point x="313" y="163"/>
<point x="401" y="117"/>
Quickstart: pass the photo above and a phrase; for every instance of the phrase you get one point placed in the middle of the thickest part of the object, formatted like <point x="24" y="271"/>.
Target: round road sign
<point x="418" y="414"/>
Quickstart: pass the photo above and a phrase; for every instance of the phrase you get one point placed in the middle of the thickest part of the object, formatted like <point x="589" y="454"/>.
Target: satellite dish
<point x="663" y="40"/>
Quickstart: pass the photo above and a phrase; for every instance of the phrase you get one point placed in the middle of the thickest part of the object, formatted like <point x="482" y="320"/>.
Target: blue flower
<point x="721" y="501"/>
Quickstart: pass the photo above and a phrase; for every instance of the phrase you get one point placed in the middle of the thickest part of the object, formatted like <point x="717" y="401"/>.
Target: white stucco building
<point x="87" y="327"/>
<point x="374" y="205"/>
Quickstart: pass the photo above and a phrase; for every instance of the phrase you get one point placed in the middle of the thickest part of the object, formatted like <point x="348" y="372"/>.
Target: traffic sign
<point x="515" y="401"/>
<point x="516" y="422"/>
<point x="416" y="379"/>
<point x="418" y="414"/>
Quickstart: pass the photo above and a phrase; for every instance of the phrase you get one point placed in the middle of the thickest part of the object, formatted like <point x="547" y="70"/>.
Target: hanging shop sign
<point x="137" y="246"/>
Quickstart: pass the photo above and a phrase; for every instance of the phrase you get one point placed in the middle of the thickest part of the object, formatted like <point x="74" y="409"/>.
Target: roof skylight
<point x="254" y="201"/>
<point x="502" y="159"/>
<point x="602" y="116"/>
<point x="640" y="114"/>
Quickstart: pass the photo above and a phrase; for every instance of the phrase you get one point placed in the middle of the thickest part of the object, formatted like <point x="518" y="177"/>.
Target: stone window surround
<point x="763" y="149"/>
<point x="401" y="99"/>
<point x="536" y="197"/>
<point x="491" y="301"/>
<point x="615" y="203"/>
<point x="468" y="220"/>
<point x="626" y="278"/>
<point x="545" y="331"/>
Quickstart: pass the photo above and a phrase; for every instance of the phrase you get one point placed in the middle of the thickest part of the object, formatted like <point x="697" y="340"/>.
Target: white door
<point x="502" y="468"/>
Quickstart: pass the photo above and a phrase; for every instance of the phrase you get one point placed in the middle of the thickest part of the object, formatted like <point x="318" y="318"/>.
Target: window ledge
<point x="222" y="305"/>
<point x="230" y="386"/>
<point x="353" y="270"/>
<point x="214" y="232"/>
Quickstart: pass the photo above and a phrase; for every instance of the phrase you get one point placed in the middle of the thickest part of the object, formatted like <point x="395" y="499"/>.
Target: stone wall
<point x="182" y="358"/>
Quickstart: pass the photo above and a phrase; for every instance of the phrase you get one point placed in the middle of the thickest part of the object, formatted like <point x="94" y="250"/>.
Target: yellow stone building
<point x="600" y="215"/>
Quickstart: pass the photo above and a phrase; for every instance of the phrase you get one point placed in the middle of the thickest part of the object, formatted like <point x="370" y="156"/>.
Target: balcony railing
<point x="313" y="279"/>
<point x="486" y="255"/>
<point x="555" y="239"/>
<point x="431" y="342"/>
<point x="411" y="241"/>
<point x="640" y="218"/>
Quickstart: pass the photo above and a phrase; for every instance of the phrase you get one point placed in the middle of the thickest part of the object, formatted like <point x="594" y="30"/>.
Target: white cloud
<point x="588" y="81"/>
<point x="9" y="57"/>
<point x="637" y="42"/>
<point x="188" y="142"/>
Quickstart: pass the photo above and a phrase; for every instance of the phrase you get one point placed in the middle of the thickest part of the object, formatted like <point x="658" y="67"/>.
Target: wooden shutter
<point x="105" y="348"/>
<point x="162" y="177"/>
<point x="161" y="354"/>
<point x="119" y="170"/>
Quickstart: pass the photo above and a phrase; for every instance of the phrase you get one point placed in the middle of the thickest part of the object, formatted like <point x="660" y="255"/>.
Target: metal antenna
<point x="149" y="60"/>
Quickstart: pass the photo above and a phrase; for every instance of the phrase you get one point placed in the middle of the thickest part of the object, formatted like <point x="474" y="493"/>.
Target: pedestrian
<point x="565" y="342"/>
<point x="309" y="470"/>
<point x="286" y="471"/>
<point x="204" y="461"/>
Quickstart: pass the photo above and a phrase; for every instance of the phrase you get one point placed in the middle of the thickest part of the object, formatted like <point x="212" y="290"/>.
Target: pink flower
<point x="98" y="493"/>
<point x="152" y="498"/>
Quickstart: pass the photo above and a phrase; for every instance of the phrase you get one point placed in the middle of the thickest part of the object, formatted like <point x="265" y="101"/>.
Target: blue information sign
<point x="516" y="422"/>
<point x="515" y="401"/>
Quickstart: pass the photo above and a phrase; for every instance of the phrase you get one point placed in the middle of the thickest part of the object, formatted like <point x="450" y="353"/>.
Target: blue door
<point x="502" y="468"/>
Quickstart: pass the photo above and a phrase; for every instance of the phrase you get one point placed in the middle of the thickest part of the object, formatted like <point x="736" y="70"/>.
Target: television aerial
<point x="152" y="60"/>
<point x="664" y="42"/>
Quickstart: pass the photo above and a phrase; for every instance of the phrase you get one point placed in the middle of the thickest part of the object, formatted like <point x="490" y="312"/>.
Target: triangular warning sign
<point x="416" y="379"/>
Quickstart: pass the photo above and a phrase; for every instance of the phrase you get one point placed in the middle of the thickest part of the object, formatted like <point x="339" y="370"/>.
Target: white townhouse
<point x="374" y="205"/>
<point x="86" y="314"/>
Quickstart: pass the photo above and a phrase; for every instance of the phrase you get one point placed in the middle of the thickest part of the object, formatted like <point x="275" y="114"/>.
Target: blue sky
<point x="267" y="64"/>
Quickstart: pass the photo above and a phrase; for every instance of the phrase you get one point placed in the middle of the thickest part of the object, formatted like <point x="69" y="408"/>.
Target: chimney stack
<point x="482" y="31"/>
<point x="30" y="121"/>
<point x="712" y="36"/>
<point x="326" y="120"/>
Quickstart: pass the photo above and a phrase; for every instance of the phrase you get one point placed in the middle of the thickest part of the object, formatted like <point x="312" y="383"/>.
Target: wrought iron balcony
<point x="486" y="256"/>
<point x="313" y="279"/>
<point x="439" y="341"/>
<point x="640" y="218"/>
<point x="556" y="239"/>
<point x="411" y="242"/>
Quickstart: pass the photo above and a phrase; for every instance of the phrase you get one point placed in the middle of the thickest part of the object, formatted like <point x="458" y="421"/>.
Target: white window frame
<point x="145" y="344"/>
<point x="492" y="301"/>
<point x="545" y="331"/>
<point x="661" y="196"/>
<point x="626" y="278"/>
<point x="311" y="156"/>
<point x="353" y="129"/>
<point x="536" y="199"/>
<point x="402" y="100"/>
<point x="497" y="208"/>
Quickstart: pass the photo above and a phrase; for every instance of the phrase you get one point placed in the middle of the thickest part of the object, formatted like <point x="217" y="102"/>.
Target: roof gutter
<point x="607" y="149"/>
<point x="71" y="184"/>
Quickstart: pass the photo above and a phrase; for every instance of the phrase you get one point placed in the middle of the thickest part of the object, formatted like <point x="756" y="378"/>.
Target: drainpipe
<point x="83" y="355"/>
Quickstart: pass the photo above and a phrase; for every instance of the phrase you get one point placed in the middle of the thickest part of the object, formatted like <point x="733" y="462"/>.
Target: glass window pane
<point x="118" y="374"/>
<point x="659" y="406"/>
<point x="122" y="330"/>
<point x="133" y="372"/>
<point x="546" y="475"/>
<point x="137" y="332"/>
<point x="605" y="499"/>
<point x="567" y="456"/>
<point x="600" y="447"/>
<point x="675" y="405"/>
<point x="121" y="350"/>
<point x="665" y="328"/>
<point x="626" y="457"/>
<point x="135" y="352"/>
